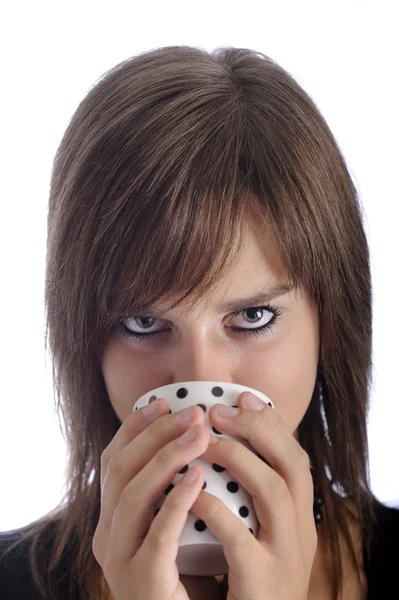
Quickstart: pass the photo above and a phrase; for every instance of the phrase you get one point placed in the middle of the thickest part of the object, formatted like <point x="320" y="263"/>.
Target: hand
<point x="277" y="563"/>
<point x="137" y="552"/>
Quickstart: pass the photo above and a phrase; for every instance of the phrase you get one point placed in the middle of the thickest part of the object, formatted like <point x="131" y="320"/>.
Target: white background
<point x="345" y="56"/>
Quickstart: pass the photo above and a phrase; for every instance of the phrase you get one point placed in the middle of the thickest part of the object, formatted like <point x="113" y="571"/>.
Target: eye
<point x="145" y="324"/>
<point x="259" y="320"/>
<point x="256" y="316"/>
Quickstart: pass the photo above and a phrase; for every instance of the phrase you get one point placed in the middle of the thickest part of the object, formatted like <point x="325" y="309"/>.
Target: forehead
<point x="257" y="272"/>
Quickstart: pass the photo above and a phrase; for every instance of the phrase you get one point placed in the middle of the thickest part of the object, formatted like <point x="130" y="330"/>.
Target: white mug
<point x="200" y="551"/>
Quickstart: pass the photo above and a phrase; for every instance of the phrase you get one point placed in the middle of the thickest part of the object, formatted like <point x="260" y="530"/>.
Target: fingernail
<point x="151" y="408"/>
<point x="227" y="411"/>
<point x="187" y="437"/>
<point x="213" y="439"/>
<point x="253" y="402"/>
<point x="185" y="415"/>
<point x="189" y="477"/>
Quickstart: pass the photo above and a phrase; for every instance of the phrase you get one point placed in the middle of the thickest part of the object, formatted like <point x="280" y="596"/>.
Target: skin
<point x="199" y="344"/>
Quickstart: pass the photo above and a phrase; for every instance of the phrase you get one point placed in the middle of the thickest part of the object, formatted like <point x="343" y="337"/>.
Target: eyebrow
<point x="262" y="297"/>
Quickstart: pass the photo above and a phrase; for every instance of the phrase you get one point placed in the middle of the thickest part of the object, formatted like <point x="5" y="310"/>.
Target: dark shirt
<point x="382" y="571"/>
<point x="16" y="581"/>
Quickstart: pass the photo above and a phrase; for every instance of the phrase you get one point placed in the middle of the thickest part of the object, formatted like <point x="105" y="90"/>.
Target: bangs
<point x="173" y="183"/>
<point x="174" y="249"/>
<point x="177" y="260"/>
<point x="181" y="259"/>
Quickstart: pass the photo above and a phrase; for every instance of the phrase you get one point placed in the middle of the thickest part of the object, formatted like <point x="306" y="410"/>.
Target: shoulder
<point x="381" y="569"/>
<point x="15" y="576"/>
<point x="17" y="580"/>
<point x="36" y="545"/>
<point x="386" y="527"/>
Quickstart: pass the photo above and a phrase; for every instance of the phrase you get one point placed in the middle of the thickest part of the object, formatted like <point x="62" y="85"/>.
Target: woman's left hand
<point x="277" y="563"/>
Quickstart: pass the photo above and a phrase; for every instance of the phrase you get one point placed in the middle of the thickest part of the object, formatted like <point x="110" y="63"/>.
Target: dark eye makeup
<point x="127" y="333"/>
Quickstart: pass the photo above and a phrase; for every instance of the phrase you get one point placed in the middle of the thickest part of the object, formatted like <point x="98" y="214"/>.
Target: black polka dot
<point x="270" y="404"/>
<point x="218" y="468"/>
<point x="217" y="391"/>
<point x="200" y="525"/>
<point x="232" y="487"/>
<point x="216" y="431"/>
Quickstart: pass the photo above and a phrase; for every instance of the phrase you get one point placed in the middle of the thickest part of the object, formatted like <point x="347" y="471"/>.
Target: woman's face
<point x="201" y="344"/>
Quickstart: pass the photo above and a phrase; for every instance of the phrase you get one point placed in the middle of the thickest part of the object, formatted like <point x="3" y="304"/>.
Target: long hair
<point x="161" y="166"/>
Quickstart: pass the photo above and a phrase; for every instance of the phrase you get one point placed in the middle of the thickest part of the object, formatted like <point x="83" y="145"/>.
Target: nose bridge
<point x="201" y="358"/>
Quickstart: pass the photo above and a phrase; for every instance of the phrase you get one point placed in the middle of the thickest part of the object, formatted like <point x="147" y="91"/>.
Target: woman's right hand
<point x="137" y="552"/>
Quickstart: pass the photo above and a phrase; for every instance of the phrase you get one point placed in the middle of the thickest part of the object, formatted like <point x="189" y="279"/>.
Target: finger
<point x="242" y="551"/>
<point x="124" y="465"/>
<point x="272" y="500"/>
<point x="135" y="423"/>
<point x="161" y="544"/>
<point x="267" y="433"/>
<point x="135" y="509"/>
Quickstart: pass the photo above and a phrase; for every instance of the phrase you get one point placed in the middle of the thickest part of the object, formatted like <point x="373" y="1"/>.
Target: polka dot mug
<point x="200" y="552"/>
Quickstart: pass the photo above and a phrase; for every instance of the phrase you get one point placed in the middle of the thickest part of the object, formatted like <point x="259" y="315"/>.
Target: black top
<point x="16" y="582"/>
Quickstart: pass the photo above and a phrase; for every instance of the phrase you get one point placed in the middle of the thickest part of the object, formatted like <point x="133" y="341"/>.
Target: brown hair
<point x="162" y="164"/>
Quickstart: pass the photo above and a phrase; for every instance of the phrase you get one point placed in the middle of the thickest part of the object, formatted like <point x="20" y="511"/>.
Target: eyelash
<point x="128" y="334"/>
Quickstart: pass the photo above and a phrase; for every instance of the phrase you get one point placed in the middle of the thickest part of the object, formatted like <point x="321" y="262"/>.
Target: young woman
<point x="203" y="225"/>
